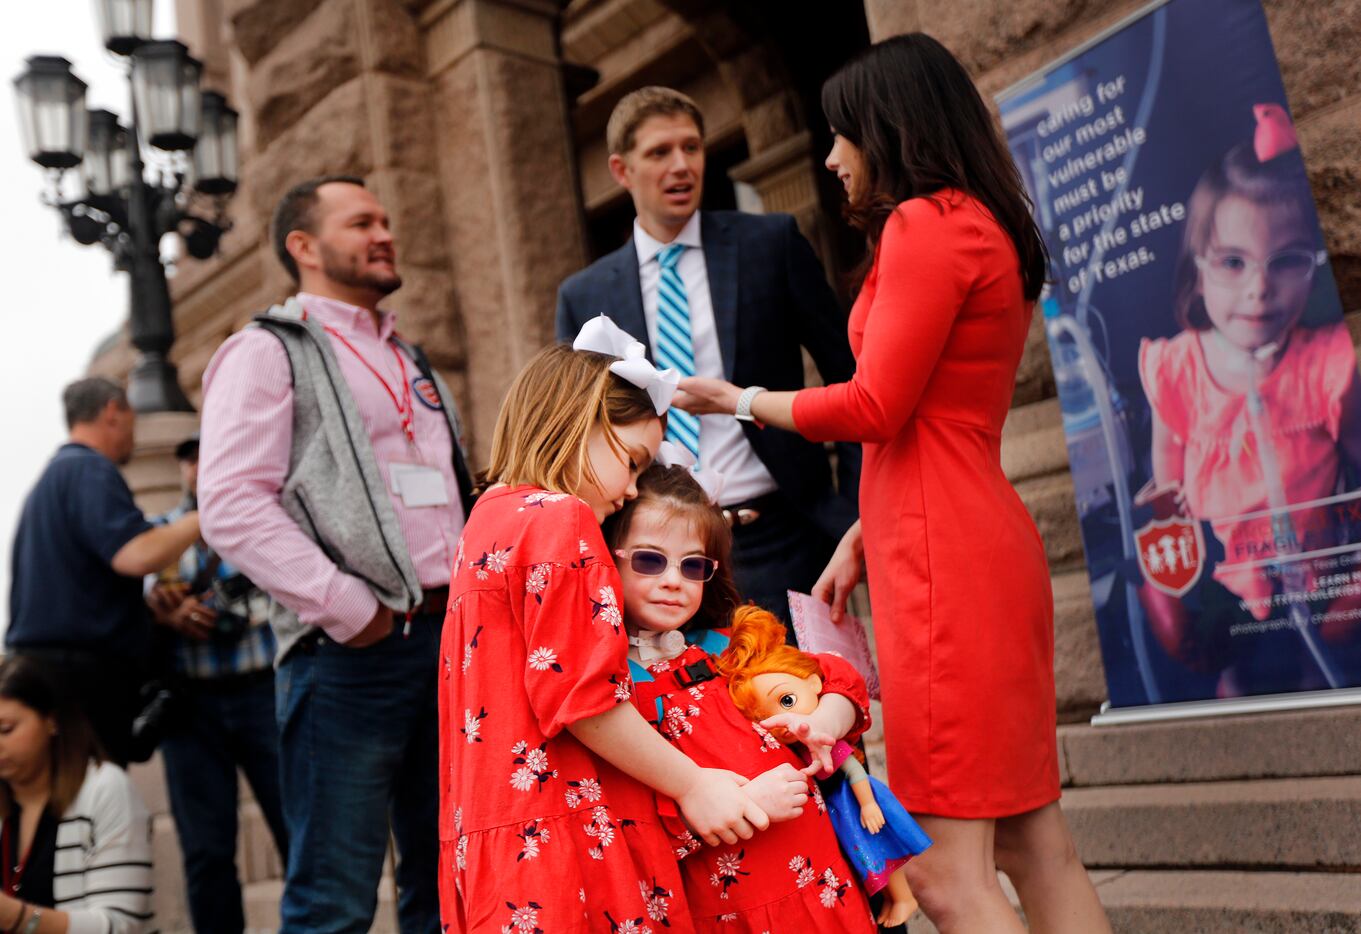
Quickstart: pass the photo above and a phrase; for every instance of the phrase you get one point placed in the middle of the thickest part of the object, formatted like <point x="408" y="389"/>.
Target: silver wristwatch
<point x="743" y="413"/>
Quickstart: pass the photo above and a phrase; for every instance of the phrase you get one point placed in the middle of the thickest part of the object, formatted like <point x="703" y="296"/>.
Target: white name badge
<point x="418" y="485"/>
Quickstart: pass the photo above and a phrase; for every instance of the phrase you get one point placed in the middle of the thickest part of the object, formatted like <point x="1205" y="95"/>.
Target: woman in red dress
<point x="957" y="571"/>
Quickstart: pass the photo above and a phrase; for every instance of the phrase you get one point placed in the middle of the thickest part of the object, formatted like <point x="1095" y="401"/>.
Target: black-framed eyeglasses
<point x="651" y="563"/>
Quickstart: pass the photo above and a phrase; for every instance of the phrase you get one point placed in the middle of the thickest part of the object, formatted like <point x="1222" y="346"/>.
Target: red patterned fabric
<point x="537" y="834"/>
<point x="791" y="877"/>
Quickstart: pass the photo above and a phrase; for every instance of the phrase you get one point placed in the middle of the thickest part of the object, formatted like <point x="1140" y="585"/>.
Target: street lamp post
<point x="192" y="136"/>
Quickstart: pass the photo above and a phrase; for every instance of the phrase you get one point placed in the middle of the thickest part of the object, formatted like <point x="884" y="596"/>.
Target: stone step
<point x="1274" y="745"/>
<point x="1298" y="823"/>
<point x="262" y="907"/>
<point x="1195" y="902"/>
<point x="256" y="861"/>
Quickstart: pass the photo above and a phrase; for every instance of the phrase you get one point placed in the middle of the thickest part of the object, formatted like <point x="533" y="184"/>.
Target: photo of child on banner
<point x="1255" y="417"/>
<point x="1207" y="382"/>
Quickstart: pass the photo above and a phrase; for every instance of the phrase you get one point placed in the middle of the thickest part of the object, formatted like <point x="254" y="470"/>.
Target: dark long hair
<point x="675" y="491"/>
<point x="73" y="747"/>
<point x="909" y="106"/>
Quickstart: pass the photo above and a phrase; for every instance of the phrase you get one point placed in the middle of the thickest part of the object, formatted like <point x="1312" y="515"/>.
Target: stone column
<point x="505" y="160"/>
<point x="153" y="474"/>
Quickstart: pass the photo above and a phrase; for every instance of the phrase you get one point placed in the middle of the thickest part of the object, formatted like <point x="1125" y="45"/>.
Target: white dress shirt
<point x="722" y="445"/>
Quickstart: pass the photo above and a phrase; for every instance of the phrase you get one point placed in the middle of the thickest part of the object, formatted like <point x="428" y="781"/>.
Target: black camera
<point x="220" y="597"/>
<point x="151" y="724"/>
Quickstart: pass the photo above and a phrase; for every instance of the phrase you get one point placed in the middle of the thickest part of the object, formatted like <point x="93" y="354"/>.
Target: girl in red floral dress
<point x="673" y="548"/>
<point x="548" y="816"/>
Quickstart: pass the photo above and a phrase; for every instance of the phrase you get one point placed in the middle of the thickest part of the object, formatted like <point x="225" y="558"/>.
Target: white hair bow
<point x="602" y="335"/>
<point x="670" y="454"/>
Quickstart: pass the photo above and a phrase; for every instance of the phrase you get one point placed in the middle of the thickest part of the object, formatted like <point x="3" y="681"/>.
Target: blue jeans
<point x="218" y="728"/>
<point x="359" y="747"/>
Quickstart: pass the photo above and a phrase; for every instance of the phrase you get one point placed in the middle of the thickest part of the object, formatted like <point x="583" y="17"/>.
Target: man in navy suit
<point x="735" y="296"/>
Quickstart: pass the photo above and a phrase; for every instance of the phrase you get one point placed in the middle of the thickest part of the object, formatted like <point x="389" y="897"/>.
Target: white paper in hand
<point x="815" y="631"/>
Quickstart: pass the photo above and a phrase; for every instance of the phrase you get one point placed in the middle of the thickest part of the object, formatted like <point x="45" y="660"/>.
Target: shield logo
<point x="427" y="393"/>
<point x="1171" y="554"/>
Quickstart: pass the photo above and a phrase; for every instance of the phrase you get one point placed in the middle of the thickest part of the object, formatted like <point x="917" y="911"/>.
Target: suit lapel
<point x="720" y="258"/>
<point x="626" y="294"/>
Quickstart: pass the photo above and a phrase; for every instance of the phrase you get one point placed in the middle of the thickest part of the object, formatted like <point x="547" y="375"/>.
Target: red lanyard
<point x="404" y="411"/>
<point x="13" y="873"/>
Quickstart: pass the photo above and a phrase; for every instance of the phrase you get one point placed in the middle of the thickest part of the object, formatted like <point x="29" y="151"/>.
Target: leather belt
<point x="746" y="513"/>
<point x="434" y="601"/>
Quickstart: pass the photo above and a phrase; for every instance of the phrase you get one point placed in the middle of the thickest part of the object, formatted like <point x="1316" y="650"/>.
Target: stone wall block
<point x="1033" y="443"/>
<point x="333" y="136"/>
<point x="982" y="33"/>
<point x="1035" y="376"/>
<point x="258" y="25"/>
<point x="1331" y="144"/>
<point x="396" y="38"/>
<point x="313" y="59"/>
<point x="404" y="115"/>
<point x="1052" y="504"/>
<point x="891" y="18"/>
<point x="427" y="314"/>
<point x="414" y="203"/>
<point x="1316" y="45"/>
<point x="1078" y="673"/>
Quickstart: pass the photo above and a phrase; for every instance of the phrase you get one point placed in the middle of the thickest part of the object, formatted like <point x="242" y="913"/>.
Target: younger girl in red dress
<point x="673" y="550"/>
<point x="548" y="814"/>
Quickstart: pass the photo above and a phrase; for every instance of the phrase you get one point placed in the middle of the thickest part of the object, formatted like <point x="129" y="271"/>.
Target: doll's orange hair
<point x="757" y="647"/>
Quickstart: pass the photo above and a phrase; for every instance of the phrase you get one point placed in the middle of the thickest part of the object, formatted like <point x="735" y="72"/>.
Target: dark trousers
<point x="359" y="750"/>
<point x="782" y="550"/>
<point x="218" y="727"/>
<point x="105" y="689"/>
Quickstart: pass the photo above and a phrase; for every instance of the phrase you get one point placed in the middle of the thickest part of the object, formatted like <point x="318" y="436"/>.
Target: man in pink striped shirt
<point x="331" y="473"/>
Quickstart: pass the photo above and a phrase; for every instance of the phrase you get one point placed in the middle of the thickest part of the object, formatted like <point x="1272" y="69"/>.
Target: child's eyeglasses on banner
<point x="1288" y="267"/>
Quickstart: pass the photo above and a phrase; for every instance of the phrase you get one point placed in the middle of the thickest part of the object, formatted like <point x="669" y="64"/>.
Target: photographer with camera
<point x="214" y="712"/>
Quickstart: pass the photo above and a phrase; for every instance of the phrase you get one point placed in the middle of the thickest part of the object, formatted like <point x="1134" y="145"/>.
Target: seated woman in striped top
<point x="75" y="841"/>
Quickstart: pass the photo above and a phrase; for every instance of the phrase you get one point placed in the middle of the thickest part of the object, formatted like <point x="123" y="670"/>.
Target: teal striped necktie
<point x="674" y="348"/>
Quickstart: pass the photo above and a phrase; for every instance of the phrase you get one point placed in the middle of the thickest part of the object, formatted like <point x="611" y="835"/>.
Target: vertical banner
<point x="1208" y="384"/>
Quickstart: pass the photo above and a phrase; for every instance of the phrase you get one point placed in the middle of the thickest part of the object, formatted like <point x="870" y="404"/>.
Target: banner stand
<point x="1265" y="703"/>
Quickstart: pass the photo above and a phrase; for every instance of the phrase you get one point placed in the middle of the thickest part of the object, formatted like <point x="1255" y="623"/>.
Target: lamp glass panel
<point x="51" y="106"/>
<point x="165" y="86"/>
<point x="124" y="24"/>
<point x="106" y="160"/>
<point x="215" y="164"/>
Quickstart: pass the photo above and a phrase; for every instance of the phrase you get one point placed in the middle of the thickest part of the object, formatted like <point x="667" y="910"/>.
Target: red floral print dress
<point x="789" y="878"/>
<point x="537" y="834"/>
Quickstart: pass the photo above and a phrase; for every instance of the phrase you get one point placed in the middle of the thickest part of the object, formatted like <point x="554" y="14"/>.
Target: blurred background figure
<point x="73" y="830"/>
<point x="218" y="658"/>
<point x="80" y="552"/>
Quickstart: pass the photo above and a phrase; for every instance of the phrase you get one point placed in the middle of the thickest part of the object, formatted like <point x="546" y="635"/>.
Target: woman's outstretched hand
<point x="701" y="395"/>
<point x="843" y="572"/>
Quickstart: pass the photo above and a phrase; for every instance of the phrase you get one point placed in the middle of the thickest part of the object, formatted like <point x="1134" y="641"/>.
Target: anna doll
<point x="768" y="678"/>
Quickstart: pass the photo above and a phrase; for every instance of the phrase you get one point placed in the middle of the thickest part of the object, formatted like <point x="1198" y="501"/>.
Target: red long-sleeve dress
<point x="959" y="585"/>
